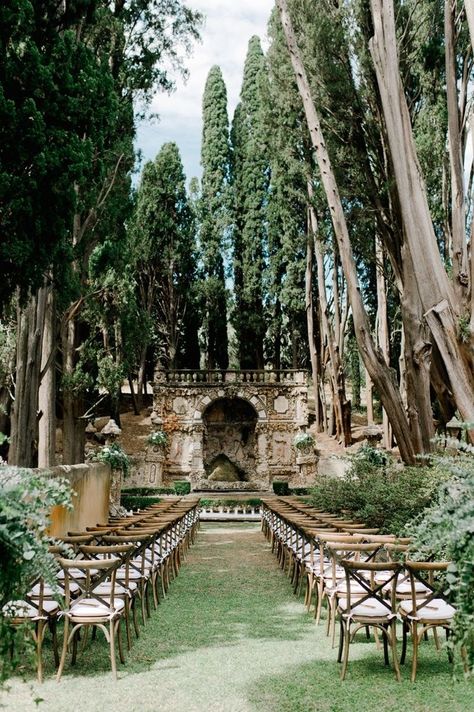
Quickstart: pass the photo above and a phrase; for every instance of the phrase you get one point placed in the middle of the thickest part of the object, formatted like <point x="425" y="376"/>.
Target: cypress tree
<point x="250" y="183"/>
<point x="163" y="244"/>
<point x="213" y="213"/>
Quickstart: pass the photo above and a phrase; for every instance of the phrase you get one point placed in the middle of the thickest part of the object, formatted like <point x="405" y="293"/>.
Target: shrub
<point x="114" y="456"/>
<point x="146" y="491"/>
<point x="157" y="437"/>
<point x="300" y="491"/>
<point x="445" y="531"/>
<point x="26" y="500"/>
<point x="303" y="441"/>
<point x="135" y="503"/>
<point x="281" y="489"/>
<point x="182" y="487"/>
<point x="378" y="491"/>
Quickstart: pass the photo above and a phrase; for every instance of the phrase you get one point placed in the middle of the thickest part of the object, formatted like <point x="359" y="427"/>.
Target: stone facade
<point x="247" y="417"/>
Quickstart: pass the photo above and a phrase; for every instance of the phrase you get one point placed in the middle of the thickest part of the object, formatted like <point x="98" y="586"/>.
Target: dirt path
<point x="231" y="637"/>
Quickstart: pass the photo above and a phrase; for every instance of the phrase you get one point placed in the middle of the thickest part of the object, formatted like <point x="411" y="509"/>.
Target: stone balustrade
<point x="212" y="377"/>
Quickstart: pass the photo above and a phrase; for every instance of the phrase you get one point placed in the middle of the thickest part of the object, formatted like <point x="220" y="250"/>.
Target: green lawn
<point x="231" y="637"/>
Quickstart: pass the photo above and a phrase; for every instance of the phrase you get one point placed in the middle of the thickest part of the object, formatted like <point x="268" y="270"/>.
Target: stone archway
<point x="229" y="440"/>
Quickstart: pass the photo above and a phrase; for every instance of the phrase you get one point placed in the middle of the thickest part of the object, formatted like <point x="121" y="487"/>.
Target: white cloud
<point x="228" y="28"/>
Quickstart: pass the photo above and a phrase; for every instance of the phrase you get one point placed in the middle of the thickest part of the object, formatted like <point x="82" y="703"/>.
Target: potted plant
<point x="157" y="439"/>
<point x="304" y="443"/>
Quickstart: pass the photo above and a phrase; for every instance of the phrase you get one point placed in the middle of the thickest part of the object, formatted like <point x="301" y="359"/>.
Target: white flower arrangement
<point x="303" y="441"/>
<point x="115" y="456"/>
<point x="157" y="438"/>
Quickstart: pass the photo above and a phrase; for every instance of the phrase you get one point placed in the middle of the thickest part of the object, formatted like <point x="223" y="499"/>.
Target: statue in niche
<point x="281" y="450"/>
<point x="222" y="469"/>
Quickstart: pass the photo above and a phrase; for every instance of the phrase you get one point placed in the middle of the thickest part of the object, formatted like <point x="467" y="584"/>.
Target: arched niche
<point x="229" y="440"/>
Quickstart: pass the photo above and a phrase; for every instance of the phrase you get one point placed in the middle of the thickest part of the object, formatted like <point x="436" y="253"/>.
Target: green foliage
<point x="214" y="219"/>
<point x="231" y="503"/>
<point x="378" y="491"/>
<point x="303" y="441"/>
<point x="281" y="489"/>
<point x="250" y="170"/>
<point x="290" y="164"/>
<point x="157" y="437"/>
<point x="182" y="488"/>
<point x="163" y="249"/>
<point x="146" y="491"/>
<point x="445" y="531"/>
<point x="135" y="503"/>
<point x="26" y="500"/>
<point x="300" y="491"/>
<point x="53" y="96"/>
<point x="115" y="456"/>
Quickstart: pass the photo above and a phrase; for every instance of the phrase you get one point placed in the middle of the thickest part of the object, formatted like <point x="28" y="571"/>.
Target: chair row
<point x="366" y="579"/>
<point x="103" y="574"/>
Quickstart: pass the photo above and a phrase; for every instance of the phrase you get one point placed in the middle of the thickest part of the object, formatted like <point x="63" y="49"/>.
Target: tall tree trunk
<point x="442" y="309"/>
<point x="73" y="427"/>
<point x="373" y="359"/>
<point x="382" y="329"/>
<point x="313" y="355"/>
<point x="47" y="389"/>
<point x="458" y="207"/>
<point x="338" y="388"/>
<point x="369" y="396"/>
<point x="24" y="422"/>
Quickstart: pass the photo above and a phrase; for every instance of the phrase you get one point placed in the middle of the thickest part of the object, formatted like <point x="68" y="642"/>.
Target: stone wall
<point x="202" y="413"/>
<point x="92" y="485"/>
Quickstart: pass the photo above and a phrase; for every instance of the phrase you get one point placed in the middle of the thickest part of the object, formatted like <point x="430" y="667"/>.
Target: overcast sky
<point x="228" y="27"/>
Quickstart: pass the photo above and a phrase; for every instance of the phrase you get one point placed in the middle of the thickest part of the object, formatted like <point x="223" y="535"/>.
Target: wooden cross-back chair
<point x="426" y="610"/>
<point x="90" y="608"/>
<point x="366" y="605"/>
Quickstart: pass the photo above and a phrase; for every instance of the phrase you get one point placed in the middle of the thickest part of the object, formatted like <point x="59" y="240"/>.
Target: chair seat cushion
<point x="23" y="609"/>
<point x="133" y="574"/>
<point x="356" y="588"/>
<point x="370" y="608"/>
<point x="91" y="608"/>
<point x="404" y="587"/>
<point x="49" y="592"/>
<point x="105" y="588"/>
<point x="437" y="609"/>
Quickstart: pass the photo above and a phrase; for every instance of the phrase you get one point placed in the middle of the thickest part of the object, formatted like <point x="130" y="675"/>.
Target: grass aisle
<point x="231" y="637"/>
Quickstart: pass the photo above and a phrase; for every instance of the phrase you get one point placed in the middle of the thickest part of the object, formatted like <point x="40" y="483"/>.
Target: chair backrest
<point x="425" y="572"/>
<point x="88" y="574"/>
<point x="357" y="572"/>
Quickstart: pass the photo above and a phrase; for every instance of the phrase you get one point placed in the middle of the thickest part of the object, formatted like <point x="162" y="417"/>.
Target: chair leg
<point x="135" y="618"/>
<point x="404" y="642"/>
<point x="347" y="642"/>
<point x="385" y="645"/>
<point x="112" y="648"/>
<point x="393" y="643"/>
<point x="414" y="635"/>
<point x="53" y="624"/>
<point x="74" y="647"/>
<point x="64" y="650"/>
<point x="38" y="637"/>
<point x="119" y="640"/>
<point x="127" y="622"/>
<point x="341" y="640"/>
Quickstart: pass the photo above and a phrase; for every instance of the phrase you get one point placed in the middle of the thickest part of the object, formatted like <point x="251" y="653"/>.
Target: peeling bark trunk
<point x="369" y="395"/>
<point x="73" y="428"/>
<point x="47" y="389"/>
<point x="458" y="208"/>
<point x="310" y="325"/>
<point x="373" y="359"/>
<point x="382" y="330"/>
<point x="24" y="422"/>
<point x="442" y="309"/>
<point x="339" y="401"/>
